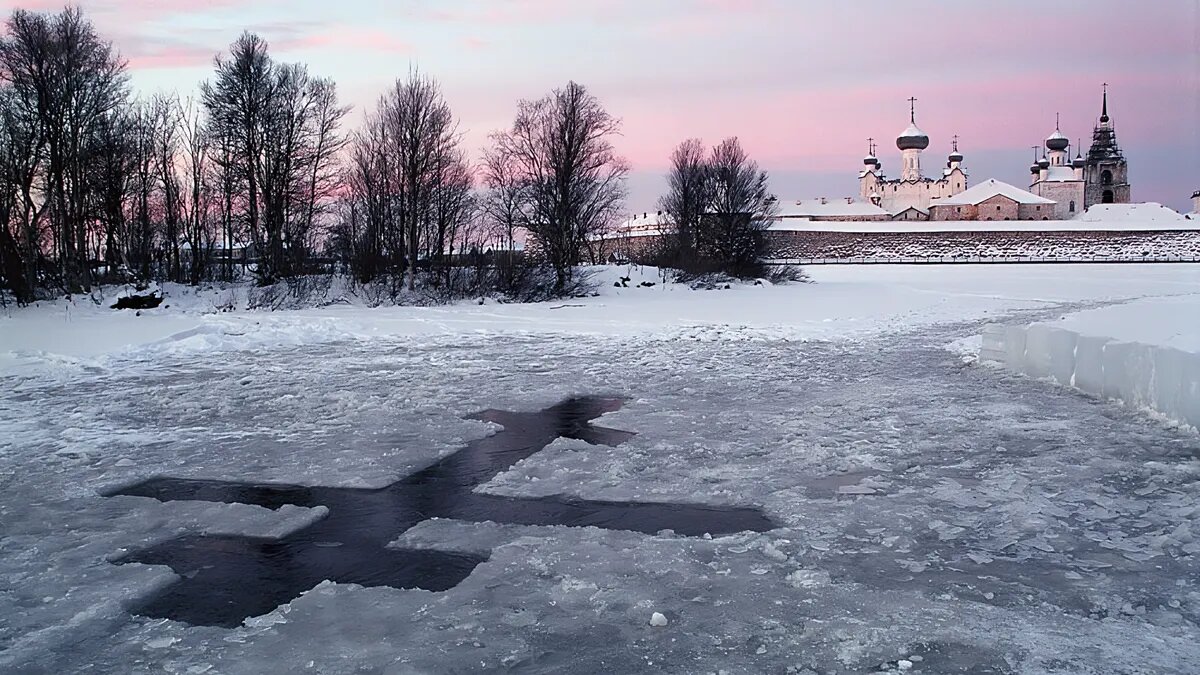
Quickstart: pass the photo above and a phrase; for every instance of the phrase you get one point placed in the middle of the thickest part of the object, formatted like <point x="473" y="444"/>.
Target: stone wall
<point x="1071" y="244"/>
<point x="1063" y="245"/>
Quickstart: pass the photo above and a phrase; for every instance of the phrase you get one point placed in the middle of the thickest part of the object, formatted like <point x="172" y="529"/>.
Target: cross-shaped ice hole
<point x="226" y="579"/>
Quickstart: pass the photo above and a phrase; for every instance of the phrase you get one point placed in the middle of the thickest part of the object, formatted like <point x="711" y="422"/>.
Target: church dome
<point x="1057" y="141"/>
<point x="956" y="156"/>
<point x="912" y="138"/>
<point x="1034" y="169"/>
<point x="1079" y="162"/>
<point x="1043" y="163"/>
<point x="870" y="160"/>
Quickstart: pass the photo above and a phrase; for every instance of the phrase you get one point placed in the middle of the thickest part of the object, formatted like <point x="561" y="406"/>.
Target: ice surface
<point x="1014" y="526"/>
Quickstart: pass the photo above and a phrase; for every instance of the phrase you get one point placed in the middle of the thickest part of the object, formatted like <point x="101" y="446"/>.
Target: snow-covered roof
<point x="821" y="207"/>
<point x="645" y="219"/>
<point x="988" y="189"/>
<point x="216" y="245"/>
<point x="1060" y="174"/>
<point x="645" y="224"/>
<point x="913" y="131"/>
<point x="1125" y="213"/>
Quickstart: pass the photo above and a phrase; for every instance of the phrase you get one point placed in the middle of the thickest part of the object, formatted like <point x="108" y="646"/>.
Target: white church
<point x="910" y="196"/>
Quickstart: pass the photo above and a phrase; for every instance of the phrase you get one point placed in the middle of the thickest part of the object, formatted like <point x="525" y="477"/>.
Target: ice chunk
<point x="992" y="347"/>
<point x="1089" y="364"/>
<point x="1037" y="351"/>
<point x="1061" y="355"/>
<point x="1014" y="347"/>
<point x="658" y="620"/>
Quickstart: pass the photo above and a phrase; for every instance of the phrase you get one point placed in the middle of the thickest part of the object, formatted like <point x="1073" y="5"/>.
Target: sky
<point x="802" y="83"/>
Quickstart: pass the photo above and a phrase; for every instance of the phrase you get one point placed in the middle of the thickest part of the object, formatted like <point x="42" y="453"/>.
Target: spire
<point x="1057" y="122"/>
<point x="1104" y="109"/>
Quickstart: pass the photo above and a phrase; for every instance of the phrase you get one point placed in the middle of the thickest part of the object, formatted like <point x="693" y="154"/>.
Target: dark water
<point x="225" y="579"/>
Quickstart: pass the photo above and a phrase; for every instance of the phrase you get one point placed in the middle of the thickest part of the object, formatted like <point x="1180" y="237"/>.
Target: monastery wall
<point x="807" y="245"/>
<point x="1065" y="245"/>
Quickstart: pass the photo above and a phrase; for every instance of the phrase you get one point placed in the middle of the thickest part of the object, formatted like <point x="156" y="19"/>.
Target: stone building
<point x="1106" y="171"/>
<point x="909" y="196"/>
<point x="993" y="200"/>
<point x="1059" y="179"/>
<point x="1196" y="203"/>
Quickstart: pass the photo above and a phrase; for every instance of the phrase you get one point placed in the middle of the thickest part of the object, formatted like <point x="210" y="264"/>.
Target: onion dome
<point x="1035" y="169"/>
<point x="1079" y="162"/>
<point x="1057" y="141"/>
<point x="871" y="160"/>
<point x="912" y="138"/>
<point x="956" y="156"/>
<point x="1043" y="163"/>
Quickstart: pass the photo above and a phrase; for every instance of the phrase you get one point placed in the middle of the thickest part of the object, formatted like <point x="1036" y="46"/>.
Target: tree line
<point x="260" y="176"/>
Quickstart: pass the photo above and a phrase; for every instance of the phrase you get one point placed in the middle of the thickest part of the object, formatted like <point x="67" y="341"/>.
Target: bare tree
<point x="71" y="81"/>
<point x="560" y="150"/>
<point x="732" y="231"/>
<point x="194" y="160"/>
<point x="409" y="180"/>
<point x="22" y="145"/>
<point x="503" y="204"/>
<point x="689" y="197"/>
<point x="277" y="129"/>
<point x="237" y="101"/>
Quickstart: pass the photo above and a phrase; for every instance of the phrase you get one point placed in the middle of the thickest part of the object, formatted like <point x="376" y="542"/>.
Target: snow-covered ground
<point x="934" y="516"/>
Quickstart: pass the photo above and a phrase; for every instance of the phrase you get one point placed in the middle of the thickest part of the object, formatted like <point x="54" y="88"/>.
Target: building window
<point x="958" y="209"/>
<point x="997" y="207"/>
<point x="1039" y="208"/>
<point x="1108" y="197"/>
<point x="1106" y="177"/>
<point x="1072" y="207"/>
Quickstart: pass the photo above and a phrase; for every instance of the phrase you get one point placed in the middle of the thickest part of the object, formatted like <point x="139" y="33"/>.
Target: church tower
<point x="910" y="143"/>
<point x="1106" y="172"/>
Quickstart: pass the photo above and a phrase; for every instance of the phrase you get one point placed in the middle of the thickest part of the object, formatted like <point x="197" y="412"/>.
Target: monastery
<point x="1076" y="209"/>
<point x="1060" y="188"/>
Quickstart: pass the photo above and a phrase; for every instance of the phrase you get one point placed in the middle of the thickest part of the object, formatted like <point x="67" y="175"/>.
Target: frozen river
<point x="928" y="515"/>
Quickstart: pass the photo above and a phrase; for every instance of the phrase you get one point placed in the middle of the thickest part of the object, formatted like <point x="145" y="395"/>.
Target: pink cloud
<point x="355" y="39"/>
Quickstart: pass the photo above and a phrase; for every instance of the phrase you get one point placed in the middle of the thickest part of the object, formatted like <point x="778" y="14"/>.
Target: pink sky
<point x="803" y="84"/>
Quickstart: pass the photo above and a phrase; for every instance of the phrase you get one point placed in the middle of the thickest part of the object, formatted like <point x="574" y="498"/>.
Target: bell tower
<point x="1106" y="172"/>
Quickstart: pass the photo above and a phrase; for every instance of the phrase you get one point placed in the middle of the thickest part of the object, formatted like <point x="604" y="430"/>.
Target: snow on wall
<point x="1163" y="379"/>
<point x="1048" y="244"/>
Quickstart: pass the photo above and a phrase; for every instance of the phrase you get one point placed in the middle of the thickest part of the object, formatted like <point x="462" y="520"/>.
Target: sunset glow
<point x="803" y="84"/>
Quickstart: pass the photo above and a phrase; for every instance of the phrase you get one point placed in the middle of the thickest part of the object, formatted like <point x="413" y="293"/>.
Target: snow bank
<point x="1143" y="376"/>
<point x="1164" y="321"/>
<point x="845" y="302"/>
